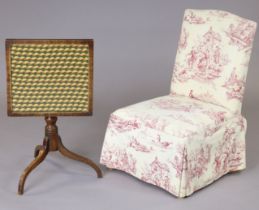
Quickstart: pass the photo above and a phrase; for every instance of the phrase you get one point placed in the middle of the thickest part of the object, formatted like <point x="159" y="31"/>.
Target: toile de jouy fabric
<point x="186" y="140"/>
<point x="212" y="57"/>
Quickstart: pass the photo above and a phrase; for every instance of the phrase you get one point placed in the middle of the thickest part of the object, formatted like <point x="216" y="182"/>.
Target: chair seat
<point x="177" y="143"/>
<point x="181" y="117"/>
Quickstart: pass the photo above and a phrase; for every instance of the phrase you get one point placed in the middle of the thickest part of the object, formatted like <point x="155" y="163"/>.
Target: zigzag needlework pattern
<point x="50" y="77"/>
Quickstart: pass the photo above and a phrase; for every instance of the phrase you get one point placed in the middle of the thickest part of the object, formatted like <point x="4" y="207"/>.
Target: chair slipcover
<point x="185" y="140"/>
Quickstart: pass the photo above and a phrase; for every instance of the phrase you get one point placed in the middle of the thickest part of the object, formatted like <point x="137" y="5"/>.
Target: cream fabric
<point x="186" y="140"/>
<point x="212" y="57"/>
<point x="174" y="142"/>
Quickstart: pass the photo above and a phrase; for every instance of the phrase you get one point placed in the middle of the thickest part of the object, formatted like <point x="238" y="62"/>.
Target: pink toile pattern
<point x="184" y="141"/>
<point x="241" y="35"/>
<point x="212" y="44"/>
<point x="205" y="61"/>
<point x="234" y="86"/>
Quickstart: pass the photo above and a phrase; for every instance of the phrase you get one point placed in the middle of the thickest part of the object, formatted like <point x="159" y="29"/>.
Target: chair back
<point x="212" y="57"/>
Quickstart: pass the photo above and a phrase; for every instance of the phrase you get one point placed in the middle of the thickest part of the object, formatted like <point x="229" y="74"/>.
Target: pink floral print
<point x="160" y="143"/>
<point x="134" y="143"/>
<point x="179" y="161"/>
<point x="158" y="174"/>
<point x="190" y="143"/>
<point x="235" y="87"/>
<point x="121" y="125"/>
<point x="218" y="13"/>
<point x="198" y="162"/>
<point x="211" y="44"/>
<point x="124" y="161"/>
<point x="156" y="123"/>
<point x="184" y="141"/>
<point x="183" y="40"/>
<point x="205" y="61"/>
<point x="230" y="153"/>
<point x="193" y="18"/>
<point x="241" y="34"/>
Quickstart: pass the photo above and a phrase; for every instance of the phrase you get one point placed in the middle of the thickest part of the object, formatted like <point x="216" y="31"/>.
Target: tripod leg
<point x="64" y="151"/>
<point x="37" y="150"/>
<point x="38" y="147"/>
<point x="42" y="153"/>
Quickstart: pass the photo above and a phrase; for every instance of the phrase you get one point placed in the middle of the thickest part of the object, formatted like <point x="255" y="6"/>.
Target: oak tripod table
<point x="50" y="78"/>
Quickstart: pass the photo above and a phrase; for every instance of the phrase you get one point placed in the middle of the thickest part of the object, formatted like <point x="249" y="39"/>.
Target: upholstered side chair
<point x="186" y="140"/>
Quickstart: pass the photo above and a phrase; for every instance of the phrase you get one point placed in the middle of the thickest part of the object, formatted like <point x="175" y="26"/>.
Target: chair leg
<point x="64" y="151"/>
<point x="42" y="152"/>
